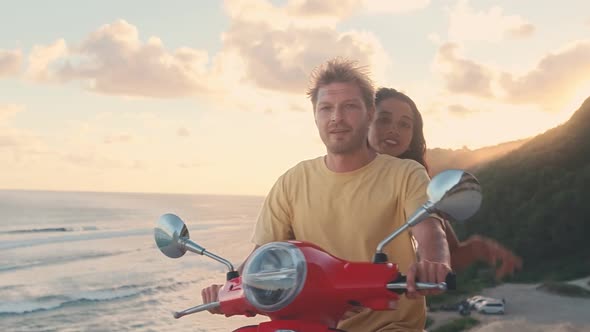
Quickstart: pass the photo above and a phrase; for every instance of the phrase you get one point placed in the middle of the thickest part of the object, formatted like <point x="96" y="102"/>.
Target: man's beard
<point x="357" y="141"/>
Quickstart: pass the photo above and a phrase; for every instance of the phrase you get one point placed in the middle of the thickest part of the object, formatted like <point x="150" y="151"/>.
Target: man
<point x="350" y="199"/>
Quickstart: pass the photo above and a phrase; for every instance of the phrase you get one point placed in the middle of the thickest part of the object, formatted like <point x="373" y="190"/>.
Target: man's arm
<point x="432" y="241"/>
<point x="434" y="258"/>
<point x="430" y="233"/>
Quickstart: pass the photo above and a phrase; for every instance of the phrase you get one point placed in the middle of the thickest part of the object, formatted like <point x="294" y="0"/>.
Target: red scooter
<point x="301" y="287"/>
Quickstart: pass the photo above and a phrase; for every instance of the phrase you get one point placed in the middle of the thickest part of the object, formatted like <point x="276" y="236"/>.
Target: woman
<point x="398" y="131"/>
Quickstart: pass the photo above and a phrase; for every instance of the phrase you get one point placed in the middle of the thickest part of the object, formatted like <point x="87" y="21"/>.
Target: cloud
<point x="468" y="24"/>
<point x="554" y="77"/>
<point x="460" y="110"/>
<point x="183" y="132"/>
<point x="113" y="60"/>
<point x="279" y="54"/>
<point x="10" y="62"/>
<point x="282" y="59"/>
<point x="315" y="13"/>
<point x="435" y="38"/>
<point x="17" y="144"/>
<point x="89" y="160"/>
<point x="258" y="55"/>
<point x="301" y="13"/>
<point x="523" y="31"/>
<point x="139" y="164"/>
<point x="42" y="59"/>
<point x="111" y="140"/>
<point x="190" y="165"/>
<point x="8" y="111"/>
<point x="9" y="138"/>
<point x="326" y="9"/>
<point x="395" y="7"/>
<point x="461" y="75"/>
<point x="120" y="138"/>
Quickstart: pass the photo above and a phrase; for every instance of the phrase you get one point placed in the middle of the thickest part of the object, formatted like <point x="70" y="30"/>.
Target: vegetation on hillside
<point x="536" y="202"/>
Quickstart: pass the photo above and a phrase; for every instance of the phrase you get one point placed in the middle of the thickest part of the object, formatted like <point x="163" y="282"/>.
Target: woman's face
<point x="392" y="130"/>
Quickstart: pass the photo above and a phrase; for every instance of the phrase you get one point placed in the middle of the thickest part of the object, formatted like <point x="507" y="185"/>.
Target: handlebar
<point x="419" y="285"/>
<point x="199" y="308"/>
<point x="400" y="284"/>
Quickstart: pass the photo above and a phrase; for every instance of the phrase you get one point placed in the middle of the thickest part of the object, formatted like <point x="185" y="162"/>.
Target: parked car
<point x="490" y="307"/>
<point x="472" y="301"/>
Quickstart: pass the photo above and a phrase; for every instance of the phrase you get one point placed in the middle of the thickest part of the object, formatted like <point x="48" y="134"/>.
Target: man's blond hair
<point x="341" y="70"/>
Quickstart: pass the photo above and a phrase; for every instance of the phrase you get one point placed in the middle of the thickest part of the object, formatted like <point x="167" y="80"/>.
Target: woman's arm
<point x="479" y="248"/>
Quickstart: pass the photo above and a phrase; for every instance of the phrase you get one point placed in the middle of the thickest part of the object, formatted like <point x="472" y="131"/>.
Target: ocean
<point x="79" y="261"/>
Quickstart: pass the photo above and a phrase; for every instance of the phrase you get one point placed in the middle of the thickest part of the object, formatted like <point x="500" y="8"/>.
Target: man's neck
<point x="349" y="162"/>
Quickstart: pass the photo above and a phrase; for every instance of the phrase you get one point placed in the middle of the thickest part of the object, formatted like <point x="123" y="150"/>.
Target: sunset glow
<point x="209" y="97"/>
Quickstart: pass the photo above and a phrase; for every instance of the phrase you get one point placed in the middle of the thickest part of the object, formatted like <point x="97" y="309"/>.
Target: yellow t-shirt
<point x="348" y="214"/>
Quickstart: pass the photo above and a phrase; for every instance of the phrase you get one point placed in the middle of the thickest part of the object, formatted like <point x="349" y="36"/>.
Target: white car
<point x="490" y="307"/>
<point x="473" y="301"/>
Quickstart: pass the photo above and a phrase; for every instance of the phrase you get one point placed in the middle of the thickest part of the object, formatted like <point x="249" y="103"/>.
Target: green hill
<point x="537" y="201"/>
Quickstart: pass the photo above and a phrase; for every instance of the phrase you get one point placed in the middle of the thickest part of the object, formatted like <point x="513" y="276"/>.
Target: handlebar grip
<point x="195" y="309"/>
<point x="451" y="281"/>
<point x="400" y="284"/>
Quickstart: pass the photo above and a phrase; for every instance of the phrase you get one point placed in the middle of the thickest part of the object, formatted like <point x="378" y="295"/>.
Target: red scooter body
<point x="332" y="287"/>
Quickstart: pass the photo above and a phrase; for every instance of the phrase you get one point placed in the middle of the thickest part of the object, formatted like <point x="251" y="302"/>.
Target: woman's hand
<point x="477" y="248"/>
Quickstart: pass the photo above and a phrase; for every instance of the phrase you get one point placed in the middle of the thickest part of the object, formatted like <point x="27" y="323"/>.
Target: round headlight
<point x="274" y="275"/>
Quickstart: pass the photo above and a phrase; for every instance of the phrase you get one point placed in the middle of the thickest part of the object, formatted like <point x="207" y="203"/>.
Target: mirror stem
<point x="191" y="246"/>
<point x="221" y="260"/>
<point x="417" y="217"/>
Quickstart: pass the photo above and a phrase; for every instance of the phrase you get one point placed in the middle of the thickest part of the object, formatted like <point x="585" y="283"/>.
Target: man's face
<point x="342" y="118"/>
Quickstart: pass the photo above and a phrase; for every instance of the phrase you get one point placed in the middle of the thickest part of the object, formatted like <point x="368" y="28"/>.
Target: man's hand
<point x="211" y="294"/>
<point x="352" y="312"/>
<point x="425" y="271"/>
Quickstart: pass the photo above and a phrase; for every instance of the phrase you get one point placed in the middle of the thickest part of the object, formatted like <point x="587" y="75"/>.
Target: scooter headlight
<point x="274" y="275"/>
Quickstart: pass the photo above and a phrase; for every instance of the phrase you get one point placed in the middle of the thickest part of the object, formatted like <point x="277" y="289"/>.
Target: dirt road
<point x="529" y="309"/>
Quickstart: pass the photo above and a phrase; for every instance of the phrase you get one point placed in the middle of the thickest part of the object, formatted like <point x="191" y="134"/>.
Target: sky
<point x="209" y="96"/>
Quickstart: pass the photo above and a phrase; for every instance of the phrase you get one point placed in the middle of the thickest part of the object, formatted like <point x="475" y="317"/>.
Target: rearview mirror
<point x="452" y="194"/>
<point x="173" y="240"/>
